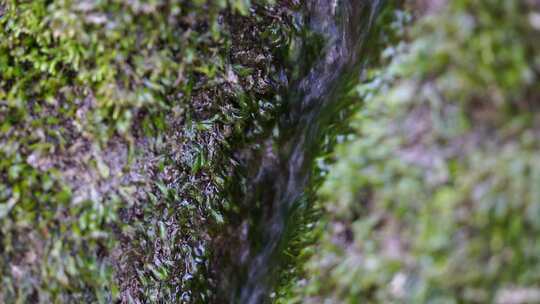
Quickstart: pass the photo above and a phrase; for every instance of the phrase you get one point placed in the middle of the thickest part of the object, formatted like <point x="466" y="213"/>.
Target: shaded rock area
<point x="190" y="165"/>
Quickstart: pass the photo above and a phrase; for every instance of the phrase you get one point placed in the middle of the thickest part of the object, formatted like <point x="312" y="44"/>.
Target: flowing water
<point x="312" y="102"/>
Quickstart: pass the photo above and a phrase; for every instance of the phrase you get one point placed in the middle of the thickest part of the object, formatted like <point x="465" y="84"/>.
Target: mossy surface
<point x="117" y="120"/>
<point x="434" y="198"/>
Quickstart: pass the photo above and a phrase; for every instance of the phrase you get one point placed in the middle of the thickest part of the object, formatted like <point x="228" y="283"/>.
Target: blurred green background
<point x="435" y="196"/>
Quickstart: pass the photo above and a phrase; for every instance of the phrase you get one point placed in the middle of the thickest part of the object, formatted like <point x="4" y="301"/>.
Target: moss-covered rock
<point x="434" y="198"/>
<point x="117" y="121"/>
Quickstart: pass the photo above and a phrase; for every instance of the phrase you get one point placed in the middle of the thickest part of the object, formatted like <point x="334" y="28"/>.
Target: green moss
<point x="434" y="198"/>
<point x="116" y="122"/>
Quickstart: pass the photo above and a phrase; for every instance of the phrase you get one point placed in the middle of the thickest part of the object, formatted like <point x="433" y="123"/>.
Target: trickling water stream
<point x="312" y="104"/>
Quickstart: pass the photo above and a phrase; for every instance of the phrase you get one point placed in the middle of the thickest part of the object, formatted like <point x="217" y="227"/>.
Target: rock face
<point x="118" y="125"/>
<point x="187" y="210"/>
